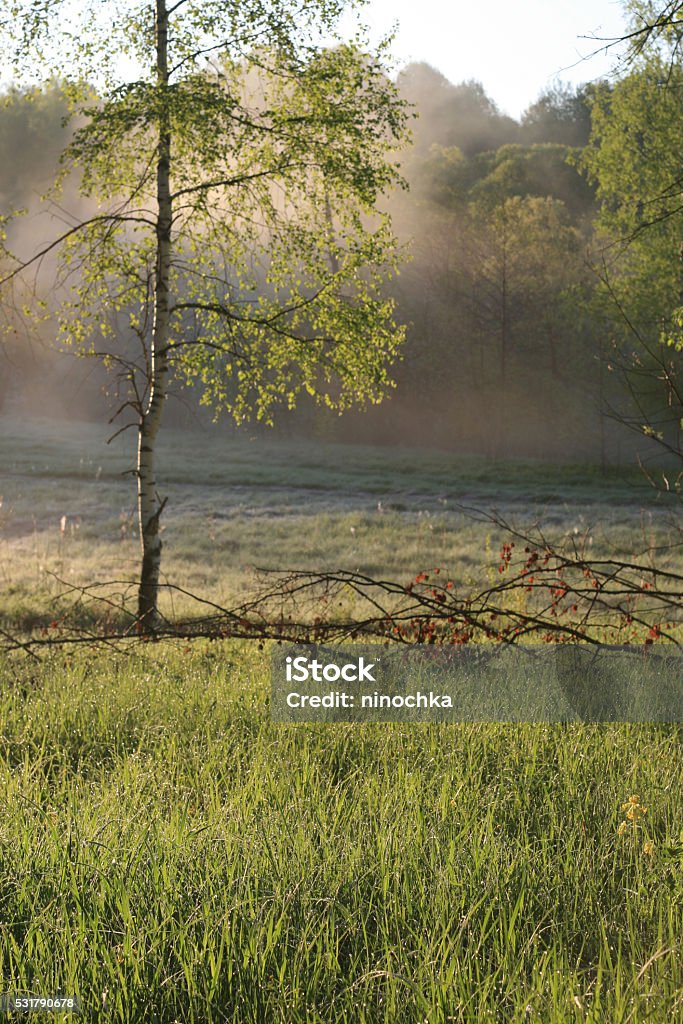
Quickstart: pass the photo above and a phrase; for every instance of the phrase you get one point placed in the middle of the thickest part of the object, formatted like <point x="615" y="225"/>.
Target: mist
<point x="504" y="357"/>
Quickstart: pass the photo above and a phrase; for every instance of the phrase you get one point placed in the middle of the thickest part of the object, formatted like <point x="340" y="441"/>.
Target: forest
<point x="540" y="284"/>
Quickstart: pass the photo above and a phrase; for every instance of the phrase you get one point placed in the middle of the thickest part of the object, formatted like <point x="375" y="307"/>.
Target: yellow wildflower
<point x="633" y="812"/>
<point x="648" y="847"/>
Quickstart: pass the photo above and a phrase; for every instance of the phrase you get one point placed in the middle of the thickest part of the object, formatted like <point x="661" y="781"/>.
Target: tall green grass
<point x="170" y="855"/>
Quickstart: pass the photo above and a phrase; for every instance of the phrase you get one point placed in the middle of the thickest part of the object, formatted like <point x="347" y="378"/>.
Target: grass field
<point x="240" y="504"/>
<point x="168" y="854"/>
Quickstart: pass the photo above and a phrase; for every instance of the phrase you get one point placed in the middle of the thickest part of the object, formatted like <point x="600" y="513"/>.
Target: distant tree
<point x="233" y="165"/>
<point x="447" y="177"/>
<point x="523" y="264"/>
<point x="544" y="170"/>
<point x="560" y="115"/>
<point x="454" y="115"/>
<point x="495" y="294"/>
<point x="32" y="137"/>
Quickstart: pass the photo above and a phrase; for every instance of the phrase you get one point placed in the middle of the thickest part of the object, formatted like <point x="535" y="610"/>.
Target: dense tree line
<point x="543" y="290"/>
<point x="503" y="356"/>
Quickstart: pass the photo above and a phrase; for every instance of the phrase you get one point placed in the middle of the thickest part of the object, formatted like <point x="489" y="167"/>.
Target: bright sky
<point x="516" y="48"/>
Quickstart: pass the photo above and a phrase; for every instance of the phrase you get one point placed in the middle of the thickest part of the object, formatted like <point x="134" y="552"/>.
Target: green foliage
<point x="542" y="170"/>
<point x="32" y="135"/>
<point x="654" y="25"/>
<point x="278" y="164"/>
<point x="561" y="115"/>
<point x="497" y="292"/>
<point x="632" y="160"/>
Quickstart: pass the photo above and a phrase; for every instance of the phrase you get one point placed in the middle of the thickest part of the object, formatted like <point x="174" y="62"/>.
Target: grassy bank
<point x="169" y="854"/>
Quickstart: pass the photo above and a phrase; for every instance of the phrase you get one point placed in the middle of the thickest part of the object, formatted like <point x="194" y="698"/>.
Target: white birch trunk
<point x="150" y="506"/>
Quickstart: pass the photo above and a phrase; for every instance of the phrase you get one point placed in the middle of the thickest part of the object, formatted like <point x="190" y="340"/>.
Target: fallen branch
<point x="540" y="591"/>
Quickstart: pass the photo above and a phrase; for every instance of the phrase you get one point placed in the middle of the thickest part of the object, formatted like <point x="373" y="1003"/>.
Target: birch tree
<point x="233" y="155"/>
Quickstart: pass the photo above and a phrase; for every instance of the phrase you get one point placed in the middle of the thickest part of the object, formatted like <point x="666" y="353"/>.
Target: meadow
<point x="67" y="517"/>
<point x="169" y="854"/>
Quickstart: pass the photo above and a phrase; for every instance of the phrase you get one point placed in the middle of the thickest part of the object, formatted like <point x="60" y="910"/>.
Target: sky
<point x="516" y="48"/>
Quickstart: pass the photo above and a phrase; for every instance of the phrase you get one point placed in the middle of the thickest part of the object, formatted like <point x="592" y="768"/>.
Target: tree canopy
<point x="232" y="164"/>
